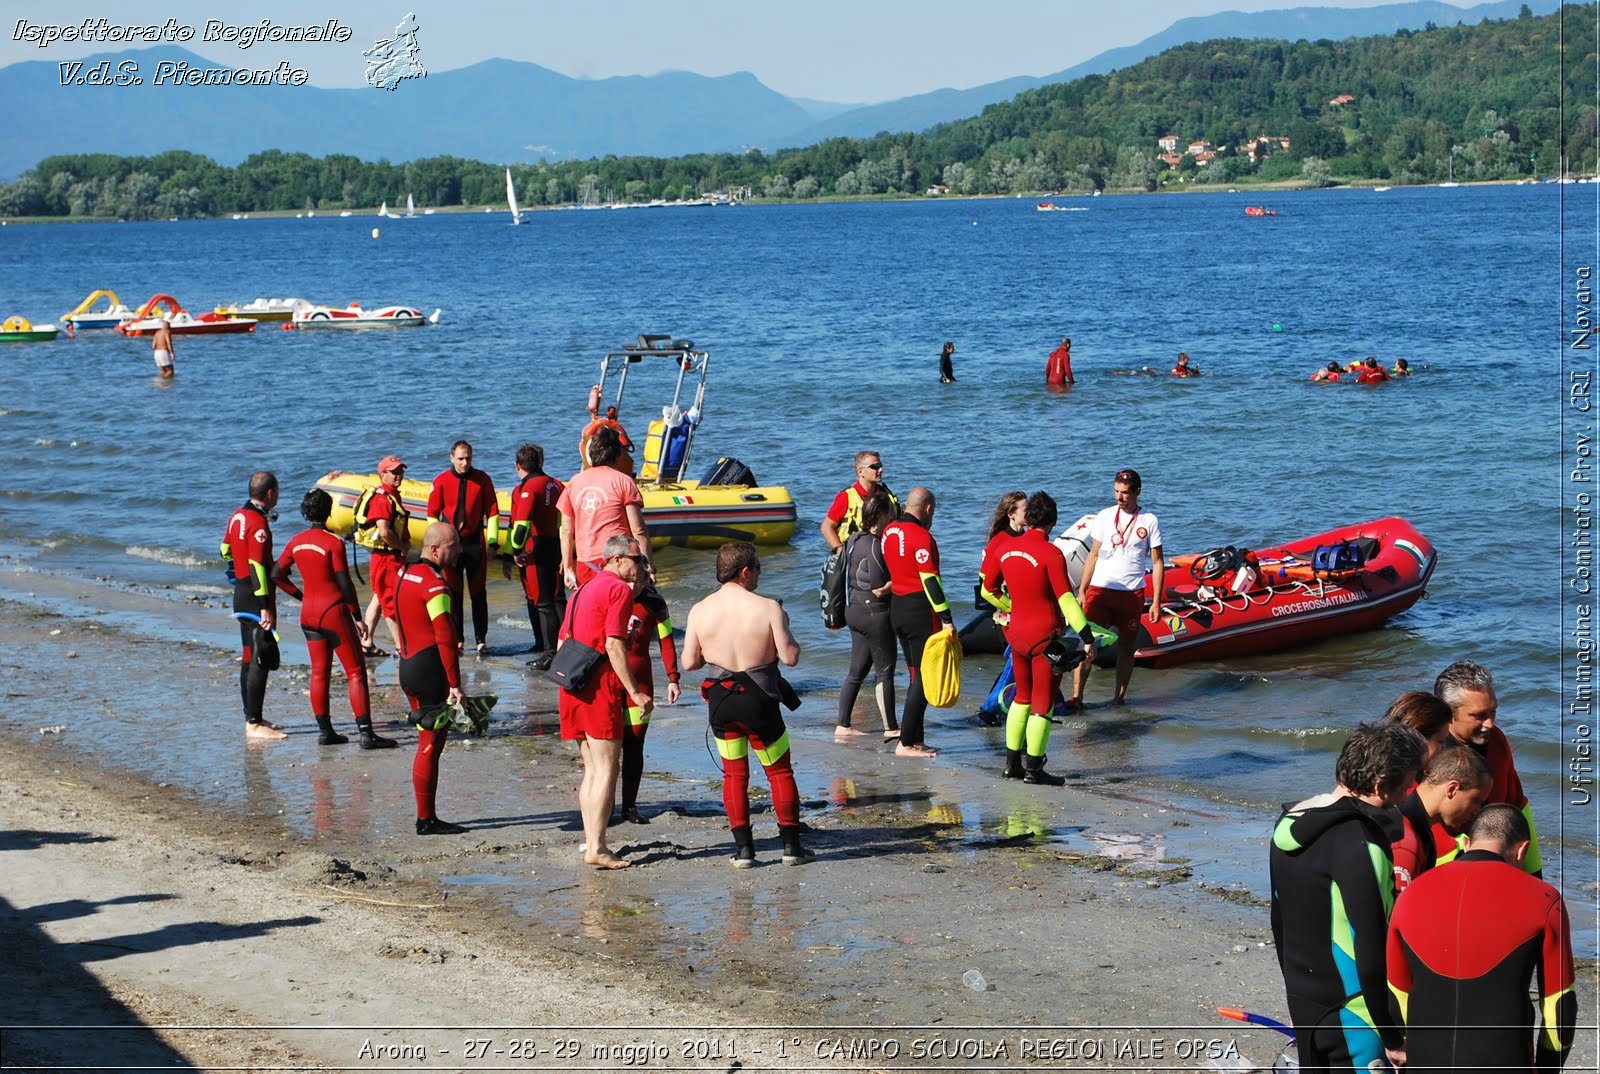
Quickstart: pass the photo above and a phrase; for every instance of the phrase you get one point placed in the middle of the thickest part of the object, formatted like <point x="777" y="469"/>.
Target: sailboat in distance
<point x="511" y="198"/>
<point x="411" y="207"/>
<point x="383" y="210"/>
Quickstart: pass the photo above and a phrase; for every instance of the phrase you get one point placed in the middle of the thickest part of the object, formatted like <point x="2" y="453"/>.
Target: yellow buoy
<point x="374" y="232"/>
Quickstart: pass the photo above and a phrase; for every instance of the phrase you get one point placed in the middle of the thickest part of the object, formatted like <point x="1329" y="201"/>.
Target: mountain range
<point x="509" y="111"/>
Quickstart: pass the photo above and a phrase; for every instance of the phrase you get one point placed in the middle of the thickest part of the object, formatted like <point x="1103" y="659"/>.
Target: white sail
<point x="511" y="197"/>
<point x="411" y="207"/>
<point x="383" y="210"/>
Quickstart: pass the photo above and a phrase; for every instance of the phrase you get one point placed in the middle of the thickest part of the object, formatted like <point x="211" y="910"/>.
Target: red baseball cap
<point x="391" y="462"/>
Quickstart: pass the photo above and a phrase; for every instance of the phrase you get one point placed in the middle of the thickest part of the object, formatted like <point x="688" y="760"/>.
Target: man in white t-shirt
<point x="1124" y="543"/>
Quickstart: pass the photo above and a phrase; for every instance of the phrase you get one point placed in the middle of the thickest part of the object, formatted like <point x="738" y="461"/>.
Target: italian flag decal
<point x="683" y="500"/>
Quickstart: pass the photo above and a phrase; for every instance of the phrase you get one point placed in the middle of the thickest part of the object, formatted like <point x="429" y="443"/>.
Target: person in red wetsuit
<point x="1468" y="689"/>
<point x="247" y="547"/>
<point x="330" y="618"/>
<point x="1330" y="374"/>
<point x="430" y="667"/>
<point x="1034" y="573"/>
<point x="1058" y="370"/>
<point x="1372" y="373"/>
<point x="740" y="637"/>
<point x="649" y="620"/>
<point x="384" y="527"/>
<point x="1464" y="943"/>
<point x="464" y="497"/>
<point x="596" y="716"/>
<point x="918" y="607"/>
<point x="1450" y="794"/>
<point x="596" y="423"/>
<point x="1183" y="368"/>
<point x="535" y="547"/>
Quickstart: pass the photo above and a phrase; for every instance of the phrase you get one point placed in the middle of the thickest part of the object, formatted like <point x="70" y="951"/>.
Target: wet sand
<point x="161" y="870"/>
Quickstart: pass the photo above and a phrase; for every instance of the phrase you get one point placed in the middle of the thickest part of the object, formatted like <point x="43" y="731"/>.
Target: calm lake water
<point x="824" y="324"/>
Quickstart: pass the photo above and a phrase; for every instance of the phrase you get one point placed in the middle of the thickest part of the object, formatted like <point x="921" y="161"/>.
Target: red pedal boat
<point x="179" y="321"/>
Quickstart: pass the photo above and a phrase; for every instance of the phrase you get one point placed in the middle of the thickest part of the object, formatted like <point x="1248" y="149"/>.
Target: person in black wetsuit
<point x="1332" y="888"/>
<point x="947" y="367"/>
<point x="866" y="612"/>
<point x="1463" y="944"/>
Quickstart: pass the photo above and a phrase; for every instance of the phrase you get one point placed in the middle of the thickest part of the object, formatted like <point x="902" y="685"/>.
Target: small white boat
<point x="511" y="199"/>
<point x="411" y="208"/>
<point x="383" y="210"/>
<point x="347" y="212"/>
<point x="353" y="316"/>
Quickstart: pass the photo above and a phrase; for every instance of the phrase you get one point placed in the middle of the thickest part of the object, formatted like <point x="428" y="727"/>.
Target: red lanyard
<point x="1119" y="538"/>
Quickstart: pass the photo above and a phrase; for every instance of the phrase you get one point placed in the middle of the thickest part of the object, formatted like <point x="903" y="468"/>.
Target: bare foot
<point x="604" y="859"/>
<point x="904" y="750"/>
<point x="265" y="732"/>
<point x="483" y="649"/>
<point x="891" y="735"/>
<point x="846" y="732"/>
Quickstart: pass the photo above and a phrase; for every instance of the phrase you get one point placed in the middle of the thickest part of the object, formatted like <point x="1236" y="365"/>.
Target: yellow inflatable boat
<point x="688" y="513"/>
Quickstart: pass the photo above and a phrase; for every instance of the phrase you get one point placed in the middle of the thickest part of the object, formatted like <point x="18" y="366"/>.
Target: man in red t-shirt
<point x="535" y="547"/>
<point x="600" y="503"/>
<point x="464" y="497"/>
<point x="844" y="513"/>
<point x="596" y="716"/>
<point x="247" y="546"/>
<point x="1058" y="370"/>
<point x="430" y="668"/>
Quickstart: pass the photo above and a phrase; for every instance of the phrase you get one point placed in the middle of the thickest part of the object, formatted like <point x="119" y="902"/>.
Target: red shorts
<point x="601" y="711"/>
<point x="384" y="569"/>
<point x="1118" y="609"/>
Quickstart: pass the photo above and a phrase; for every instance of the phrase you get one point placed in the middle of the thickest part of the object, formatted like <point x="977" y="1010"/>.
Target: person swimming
<point x="1331" y="373"/>
<point x="1183" y="368"/>
<point x="1402" y="368"/>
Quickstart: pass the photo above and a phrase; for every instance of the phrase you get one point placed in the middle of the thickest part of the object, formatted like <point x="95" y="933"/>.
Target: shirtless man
<point x="739" y="637"/>
<point x="161" y="348"/>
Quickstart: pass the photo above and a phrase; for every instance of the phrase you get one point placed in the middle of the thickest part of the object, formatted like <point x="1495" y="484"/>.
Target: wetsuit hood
<point x="1305" y="822"/>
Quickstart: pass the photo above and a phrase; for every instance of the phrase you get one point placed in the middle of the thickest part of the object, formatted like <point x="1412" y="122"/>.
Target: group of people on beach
<point x="896" y="599"/>
<point x="1408" y="906"/>
<point x="1414" y="883"/>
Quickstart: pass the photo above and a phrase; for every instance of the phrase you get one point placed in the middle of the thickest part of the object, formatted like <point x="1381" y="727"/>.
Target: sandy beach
<point x="162" y="873"/>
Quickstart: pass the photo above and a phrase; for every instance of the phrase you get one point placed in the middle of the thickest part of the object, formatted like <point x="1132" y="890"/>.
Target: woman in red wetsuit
<point x="649" y="620"/>
<point x="1034" y="573"/>
<point x="330" y="617"/>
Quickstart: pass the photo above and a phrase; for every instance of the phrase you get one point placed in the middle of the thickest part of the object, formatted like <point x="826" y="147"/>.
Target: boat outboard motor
<point x="730" y="471"/>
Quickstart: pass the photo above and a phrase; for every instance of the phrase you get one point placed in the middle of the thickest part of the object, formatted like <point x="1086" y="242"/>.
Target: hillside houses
<point x="1204" y="152"/>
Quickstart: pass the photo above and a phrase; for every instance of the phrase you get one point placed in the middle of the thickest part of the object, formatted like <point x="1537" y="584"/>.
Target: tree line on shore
<point x="1471" y="102"/>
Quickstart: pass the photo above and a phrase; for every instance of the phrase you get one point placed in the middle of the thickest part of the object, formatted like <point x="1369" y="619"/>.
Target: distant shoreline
<point x="1277" y="186"/>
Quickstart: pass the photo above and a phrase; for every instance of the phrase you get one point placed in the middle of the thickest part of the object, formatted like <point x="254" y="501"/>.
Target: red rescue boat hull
<point x="1288" y="607"/>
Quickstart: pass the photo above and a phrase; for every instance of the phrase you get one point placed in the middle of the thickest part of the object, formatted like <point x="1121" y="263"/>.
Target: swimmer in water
<point x="1183" y="368"/>
<point x="1402" y="368"/>
<point x="1331" y="373"/>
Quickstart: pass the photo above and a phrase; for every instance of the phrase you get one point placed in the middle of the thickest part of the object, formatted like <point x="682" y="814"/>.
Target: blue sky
<point x="855" y="51"/>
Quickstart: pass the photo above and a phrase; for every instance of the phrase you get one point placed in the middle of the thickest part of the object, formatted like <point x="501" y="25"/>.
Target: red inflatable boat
<point x="1239" y="602"/>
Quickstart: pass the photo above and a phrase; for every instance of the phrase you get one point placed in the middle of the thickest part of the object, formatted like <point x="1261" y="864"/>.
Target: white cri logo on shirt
<point x="591" y="501"/>
<point x="922" y="555"/>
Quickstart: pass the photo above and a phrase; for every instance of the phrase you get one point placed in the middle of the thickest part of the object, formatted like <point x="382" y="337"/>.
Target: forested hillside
<point x="1500" y="100"/>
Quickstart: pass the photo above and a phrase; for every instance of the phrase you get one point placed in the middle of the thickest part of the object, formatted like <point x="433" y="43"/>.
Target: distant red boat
<point x="1345" y="580"/>
<point x="1258" y="210"/>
